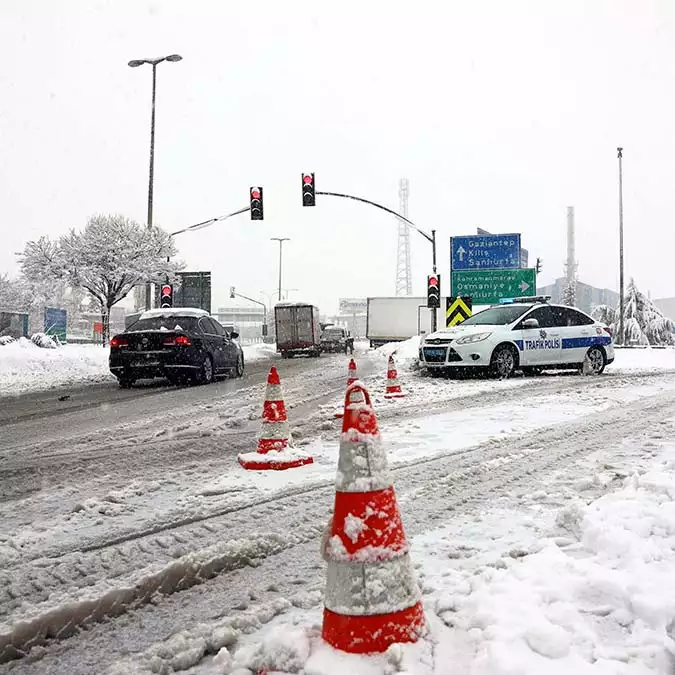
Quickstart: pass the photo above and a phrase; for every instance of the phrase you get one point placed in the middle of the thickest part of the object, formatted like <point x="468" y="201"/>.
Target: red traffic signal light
<point x="256" y="194"/>
<point x="308" y="190"/>
<point x="434" y="290"/>
<point x="167" y="296"/>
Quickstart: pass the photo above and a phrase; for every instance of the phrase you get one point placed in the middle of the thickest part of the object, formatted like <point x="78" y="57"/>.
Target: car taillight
<point x="607" y="329"/>
<point x="177" y="341"/>
<point x="118" y="342"/>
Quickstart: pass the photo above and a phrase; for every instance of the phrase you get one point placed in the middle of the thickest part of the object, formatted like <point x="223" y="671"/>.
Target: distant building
<point x="587" y="297"/>
<point x="247" y="321"/>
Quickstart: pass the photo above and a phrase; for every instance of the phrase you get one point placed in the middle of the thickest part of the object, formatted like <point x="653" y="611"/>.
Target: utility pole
<point x="281" y="241"/>
<point x="621" y="296"/>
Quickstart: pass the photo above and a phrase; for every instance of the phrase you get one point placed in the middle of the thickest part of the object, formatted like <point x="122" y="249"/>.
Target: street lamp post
<point x="154" y="63"/>
<point x="621" y="295"/>
<point x="281" y="241"/>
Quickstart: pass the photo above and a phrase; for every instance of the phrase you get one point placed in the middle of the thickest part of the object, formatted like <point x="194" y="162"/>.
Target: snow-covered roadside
<point x="26" y="367"/>
<point x="555" y="580"/>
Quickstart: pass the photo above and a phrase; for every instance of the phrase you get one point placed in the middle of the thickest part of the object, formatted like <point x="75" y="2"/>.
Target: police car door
<point x="578" y="334"/>
<point x="541" y="345"/>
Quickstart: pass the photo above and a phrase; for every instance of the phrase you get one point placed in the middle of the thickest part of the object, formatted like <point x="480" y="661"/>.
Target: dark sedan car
<point x="180" y="344"/>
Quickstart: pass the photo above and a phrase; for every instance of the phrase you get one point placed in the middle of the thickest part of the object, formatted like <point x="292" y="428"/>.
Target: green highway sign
<point x="488" y="287"/>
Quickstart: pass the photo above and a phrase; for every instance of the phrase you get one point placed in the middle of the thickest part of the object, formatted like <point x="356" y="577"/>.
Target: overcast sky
<point x="500" y="114"/>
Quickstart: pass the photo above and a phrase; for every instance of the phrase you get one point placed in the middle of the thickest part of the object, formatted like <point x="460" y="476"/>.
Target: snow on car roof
<point x="173" y="311"/>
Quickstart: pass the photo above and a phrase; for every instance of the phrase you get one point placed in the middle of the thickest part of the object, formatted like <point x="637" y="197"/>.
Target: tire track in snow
<point x="458" y="480"/>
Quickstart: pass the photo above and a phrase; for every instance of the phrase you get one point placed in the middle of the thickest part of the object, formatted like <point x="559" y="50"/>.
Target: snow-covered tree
<point x="107" y="259"/>
<point x="14" y="294"/>
<point x="568" y="296"/>
<point x="643" y="322"/>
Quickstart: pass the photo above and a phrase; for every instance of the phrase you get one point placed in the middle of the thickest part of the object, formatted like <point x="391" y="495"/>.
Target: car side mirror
<point x="234" y="335"/>
<point x="530" y="323"/>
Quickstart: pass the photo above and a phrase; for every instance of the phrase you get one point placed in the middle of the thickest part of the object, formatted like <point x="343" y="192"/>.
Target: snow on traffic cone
<point x="274" y="442"/>
<point x="372" y="599"/>
<point x="352" y="376"/>
<point x="393" y="387"/>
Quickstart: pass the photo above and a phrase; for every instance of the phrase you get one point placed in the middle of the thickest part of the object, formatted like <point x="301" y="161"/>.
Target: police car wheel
<point x="503" y="361"/>
<point x="596" y="360"/>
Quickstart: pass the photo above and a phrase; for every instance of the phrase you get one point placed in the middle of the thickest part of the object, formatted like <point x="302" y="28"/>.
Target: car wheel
<point x="205" y="374"/>
<point x="596" y="361"/>
<point x="126" y="382"/>
<point x="238" y="370"/>
<point x="503" y="361"/>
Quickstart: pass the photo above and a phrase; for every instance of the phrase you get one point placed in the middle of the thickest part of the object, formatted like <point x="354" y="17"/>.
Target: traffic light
<point x="256" y="203"/>
<point x="166" y="296"/>
<point x="434" y="290"/>
<point x="308" y="190"/>
<point x="539" y="264"/>
<point x="232" y="289"/>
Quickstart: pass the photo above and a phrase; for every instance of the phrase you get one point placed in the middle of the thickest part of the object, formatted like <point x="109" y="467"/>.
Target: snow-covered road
<point x="115" y="518"/>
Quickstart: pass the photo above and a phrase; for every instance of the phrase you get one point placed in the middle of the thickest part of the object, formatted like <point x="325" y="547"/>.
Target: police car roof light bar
<point x="532" y="298"/>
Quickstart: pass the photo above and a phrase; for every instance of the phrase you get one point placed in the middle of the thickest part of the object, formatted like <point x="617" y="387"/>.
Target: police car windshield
<point x="497" y="316"/>
<point x="186" y="323"/>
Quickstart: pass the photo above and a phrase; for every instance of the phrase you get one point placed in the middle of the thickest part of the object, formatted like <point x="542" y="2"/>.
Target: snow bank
<point x="24" y="366"/>
<point x="647" y="359"/>
<point x="405" y="352"/>
<point x="258" y="352"/>
<point x="604" y="604"/>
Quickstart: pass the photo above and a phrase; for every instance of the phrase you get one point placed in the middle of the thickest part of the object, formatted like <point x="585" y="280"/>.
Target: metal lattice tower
<point x="403" y="272"/>
<point x="571" y="264"/>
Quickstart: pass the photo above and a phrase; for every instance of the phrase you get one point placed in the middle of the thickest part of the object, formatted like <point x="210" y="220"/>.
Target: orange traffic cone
<point x="352" y="376"/>
<point x="393" y="387"/>
<point x="372" y="599"/>
<point x="274" y="451"/>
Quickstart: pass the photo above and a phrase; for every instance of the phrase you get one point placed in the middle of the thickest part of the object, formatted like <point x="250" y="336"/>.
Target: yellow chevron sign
<point x="457" y="310"/>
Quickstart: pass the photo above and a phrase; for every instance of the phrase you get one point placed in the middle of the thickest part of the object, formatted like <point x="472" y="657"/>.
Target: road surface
<point x="250" y="545"/>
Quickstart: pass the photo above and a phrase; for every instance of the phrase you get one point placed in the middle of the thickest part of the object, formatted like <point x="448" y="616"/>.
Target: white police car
<point x="527" y="334"/>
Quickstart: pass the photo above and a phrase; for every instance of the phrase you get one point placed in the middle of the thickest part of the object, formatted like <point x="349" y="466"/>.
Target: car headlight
<point x="476" y="337"/>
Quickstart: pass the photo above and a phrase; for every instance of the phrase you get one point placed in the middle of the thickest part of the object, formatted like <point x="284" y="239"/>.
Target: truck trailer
<point x="297" y="329"/>
<point x="394" y="319"/>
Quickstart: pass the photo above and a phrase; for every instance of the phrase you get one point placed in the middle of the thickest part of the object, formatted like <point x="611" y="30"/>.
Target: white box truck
<point x="297" y="329"/>
<point x="398" y="318"/>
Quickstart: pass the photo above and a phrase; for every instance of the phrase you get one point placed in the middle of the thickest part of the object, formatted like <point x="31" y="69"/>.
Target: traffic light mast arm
<point x="384" y="208"/>
<point x="429" y="237"/>
<point x="257" y="302"/>
<point x="210" y="221"/>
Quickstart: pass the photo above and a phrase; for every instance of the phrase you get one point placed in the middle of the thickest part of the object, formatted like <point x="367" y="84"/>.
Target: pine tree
<point x="568" y="296"/>
<point x="643" y="322"/>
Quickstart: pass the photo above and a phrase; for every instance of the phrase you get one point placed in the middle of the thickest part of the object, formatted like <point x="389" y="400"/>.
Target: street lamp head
<point x="137" y="62"/>
<point x="174" y="57"/>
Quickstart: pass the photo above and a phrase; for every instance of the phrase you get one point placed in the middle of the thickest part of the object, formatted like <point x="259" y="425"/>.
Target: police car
<point x="527" y="334"/>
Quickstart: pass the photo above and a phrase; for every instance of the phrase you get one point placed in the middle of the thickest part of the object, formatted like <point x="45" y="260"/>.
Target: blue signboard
<point x="56" y="322"/>
<point x="481" y="252"/>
